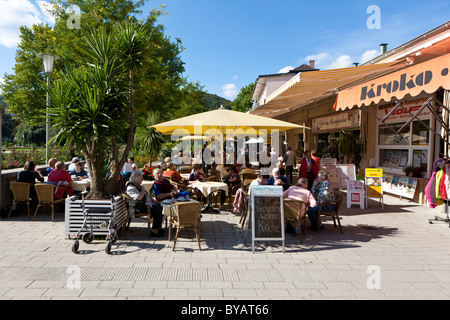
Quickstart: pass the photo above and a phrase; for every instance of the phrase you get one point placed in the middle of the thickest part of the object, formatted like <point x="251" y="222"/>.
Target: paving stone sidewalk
<point x="383" y="254"/>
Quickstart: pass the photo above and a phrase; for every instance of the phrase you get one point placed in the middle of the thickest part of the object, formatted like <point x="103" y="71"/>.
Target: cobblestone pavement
<point x="383" y="254"/>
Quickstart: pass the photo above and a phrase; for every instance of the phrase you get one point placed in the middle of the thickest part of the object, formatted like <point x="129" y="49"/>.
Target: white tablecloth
<point x="209" y="187"/>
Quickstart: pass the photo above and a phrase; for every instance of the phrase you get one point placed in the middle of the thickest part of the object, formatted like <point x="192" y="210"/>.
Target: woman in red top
<point x="61" y="178"/>
<point x="308" y="169"/>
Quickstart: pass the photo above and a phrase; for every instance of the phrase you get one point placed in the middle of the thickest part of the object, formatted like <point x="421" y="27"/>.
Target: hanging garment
<point x="447" y="180"/>
<point x="442" y="191"/>
<point x="439" y="176"/>
<point x="430" y="192"/>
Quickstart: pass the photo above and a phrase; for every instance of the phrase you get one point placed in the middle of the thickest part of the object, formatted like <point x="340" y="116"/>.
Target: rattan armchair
<point x="46" y="196"/>
<point x="334" y="214"/>
<point x="146" y="215"/>
<point x="21" y="193"/>
<point x="294" y="211"/>
<point x="185" y="215"/>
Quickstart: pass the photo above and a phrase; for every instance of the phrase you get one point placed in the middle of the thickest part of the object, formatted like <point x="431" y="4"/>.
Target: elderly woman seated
<point x="141" y="199"/>
<point x="324" y="194"/>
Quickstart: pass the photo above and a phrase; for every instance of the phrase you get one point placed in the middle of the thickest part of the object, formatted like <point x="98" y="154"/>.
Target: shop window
<point x="395" y="159"/>
<point x="421" y="134"/>
<point x="388" y="137"/>
<point x="420" y="159"/>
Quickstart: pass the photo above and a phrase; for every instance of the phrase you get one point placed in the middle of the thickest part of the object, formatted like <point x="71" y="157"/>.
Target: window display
<point x="421" y="134"/>
<point x="387" y="135"/>
<point x="396" y="159"/>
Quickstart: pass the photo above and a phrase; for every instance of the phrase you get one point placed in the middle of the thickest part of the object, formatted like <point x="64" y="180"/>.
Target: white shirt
<point x="127" y="167"/>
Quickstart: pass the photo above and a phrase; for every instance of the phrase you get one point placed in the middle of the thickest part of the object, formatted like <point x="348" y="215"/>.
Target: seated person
<point x="197" y="174"/>
<point x="51" y="166"/>
<point x="61" y="178"/>
<point x="163" y="189"/>
<point x="277" y="179"/>
<point x="72" y="165"/>
<point x="300" y="192"/>
<point x="260" y="180"/>
<point x="173" y="173"/>
<point x="323" y="192"/>
<point x="140" y="199"/>
<point x="232" y="179"/>
<point x="29" y="175"/>
<point x="78" y="171"/>
<point x="238" y="199"/>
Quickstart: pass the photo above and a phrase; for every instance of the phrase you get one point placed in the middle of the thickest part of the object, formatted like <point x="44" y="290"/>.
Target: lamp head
<point x="48" y="59"/>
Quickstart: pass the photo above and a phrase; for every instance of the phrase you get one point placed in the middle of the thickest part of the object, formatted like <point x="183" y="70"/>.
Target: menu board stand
<point x="267" y="214"/>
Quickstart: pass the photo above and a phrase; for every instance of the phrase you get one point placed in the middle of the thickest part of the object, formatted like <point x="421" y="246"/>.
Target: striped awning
<point x="307" y="87"/>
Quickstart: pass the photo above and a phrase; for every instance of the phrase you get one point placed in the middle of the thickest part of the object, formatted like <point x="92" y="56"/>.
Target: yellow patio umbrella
<point x="224" y="122"/>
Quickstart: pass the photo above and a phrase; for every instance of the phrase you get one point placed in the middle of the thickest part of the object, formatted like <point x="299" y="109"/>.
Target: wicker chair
<point x="293" y="213"/>
<point x="334" y="214"/>
<point x="46" y="196"/>
<point x="142" y="215"/>
<point x="185" y="215"/>
<point x="21" y="193"/>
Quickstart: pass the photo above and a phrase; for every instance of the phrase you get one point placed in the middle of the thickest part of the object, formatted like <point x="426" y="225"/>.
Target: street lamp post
<point x="48" y="59"/>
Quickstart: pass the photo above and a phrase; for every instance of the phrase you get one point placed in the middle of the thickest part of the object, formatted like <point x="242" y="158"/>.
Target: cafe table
<point x="77" y="184"/>
<point x="207" y="189"/>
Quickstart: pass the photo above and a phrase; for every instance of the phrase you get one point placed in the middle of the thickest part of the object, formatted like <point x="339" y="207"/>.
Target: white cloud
<point x="368" y="55"/>
<point x="286" y="69"/>
<point x="343" y="61"/>
<point x="229" y="90"/>
<point x="16" y="13"/>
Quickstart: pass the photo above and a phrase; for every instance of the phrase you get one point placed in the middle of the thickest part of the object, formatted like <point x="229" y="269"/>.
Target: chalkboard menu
<point x="267" y="213"/>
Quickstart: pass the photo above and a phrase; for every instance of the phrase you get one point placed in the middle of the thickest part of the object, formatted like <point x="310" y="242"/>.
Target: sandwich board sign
<point x="267" y="214"/>
<point x="374" y="184"/>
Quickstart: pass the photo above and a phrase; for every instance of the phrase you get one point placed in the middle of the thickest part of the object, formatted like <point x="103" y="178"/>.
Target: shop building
<point x="404" y="88"/>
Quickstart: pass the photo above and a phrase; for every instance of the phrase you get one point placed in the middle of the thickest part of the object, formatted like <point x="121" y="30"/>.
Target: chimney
<point x="355" y="64"/>
<point x="312" y="64"/>
<point x="383" y="48"/>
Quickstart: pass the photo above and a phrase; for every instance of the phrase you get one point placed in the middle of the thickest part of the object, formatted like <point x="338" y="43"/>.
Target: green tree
<point x="243" y="101"/>
<point x="91" y="104"/>
<point x="148" y="141"/>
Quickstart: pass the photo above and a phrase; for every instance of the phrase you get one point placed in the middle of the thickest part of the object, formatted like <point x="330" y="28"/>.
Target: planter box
<point x="74" y="215"/>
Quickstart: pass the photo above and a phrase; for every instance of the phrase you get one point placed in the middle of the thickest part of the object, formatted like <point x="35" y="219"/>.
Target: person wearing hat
<point x="72" y="165"/>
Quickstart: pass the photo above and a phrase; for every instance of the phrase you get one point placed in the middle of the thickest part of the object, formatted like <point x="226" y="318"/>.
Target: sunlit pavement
<point x="383" y="254"/>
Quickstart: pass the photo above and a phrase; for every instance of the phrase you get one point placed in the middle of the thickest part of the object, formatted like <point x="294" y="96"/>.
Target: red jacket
<point x="302" y="173"/>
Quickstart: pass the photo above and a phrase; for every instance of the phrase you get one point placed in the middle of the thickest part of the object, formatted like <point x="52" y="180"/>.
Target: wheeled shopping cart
<point x="96" y="219"/>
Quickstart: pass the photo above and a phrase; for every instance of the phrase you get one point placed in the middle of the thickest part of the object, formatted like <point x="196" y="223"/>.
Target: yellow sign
<point x="374" y="183"/>
<point x="374" y="173"/>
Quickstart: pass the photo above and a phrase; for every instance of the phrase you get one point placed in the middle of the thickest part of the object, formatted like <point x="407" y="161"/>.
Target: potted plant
<point x="415" y="172"/>
<point x="348" y="145"/>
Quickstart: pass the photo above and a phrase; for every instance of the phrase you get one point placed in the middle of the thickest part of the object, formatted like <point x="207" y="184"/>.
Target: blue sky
<point x="229" y="43"/>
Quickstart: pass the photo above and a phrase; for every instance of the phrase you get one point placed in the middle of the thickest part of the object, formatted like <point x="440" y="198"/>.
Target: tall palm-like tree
<point x="148" y="139"/>
<point x="92" y="105"/>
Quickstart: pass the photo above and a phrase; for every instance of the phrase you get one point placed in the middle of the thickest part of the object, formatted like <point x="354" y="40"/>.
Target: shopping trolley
<point x="95" y="220"/>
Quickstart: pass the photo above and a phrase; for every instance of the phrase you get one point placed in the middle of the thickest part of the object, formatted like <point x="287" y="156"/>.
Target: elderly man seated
<point x="163" y="189"/>
<point x="277" y="179"/>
